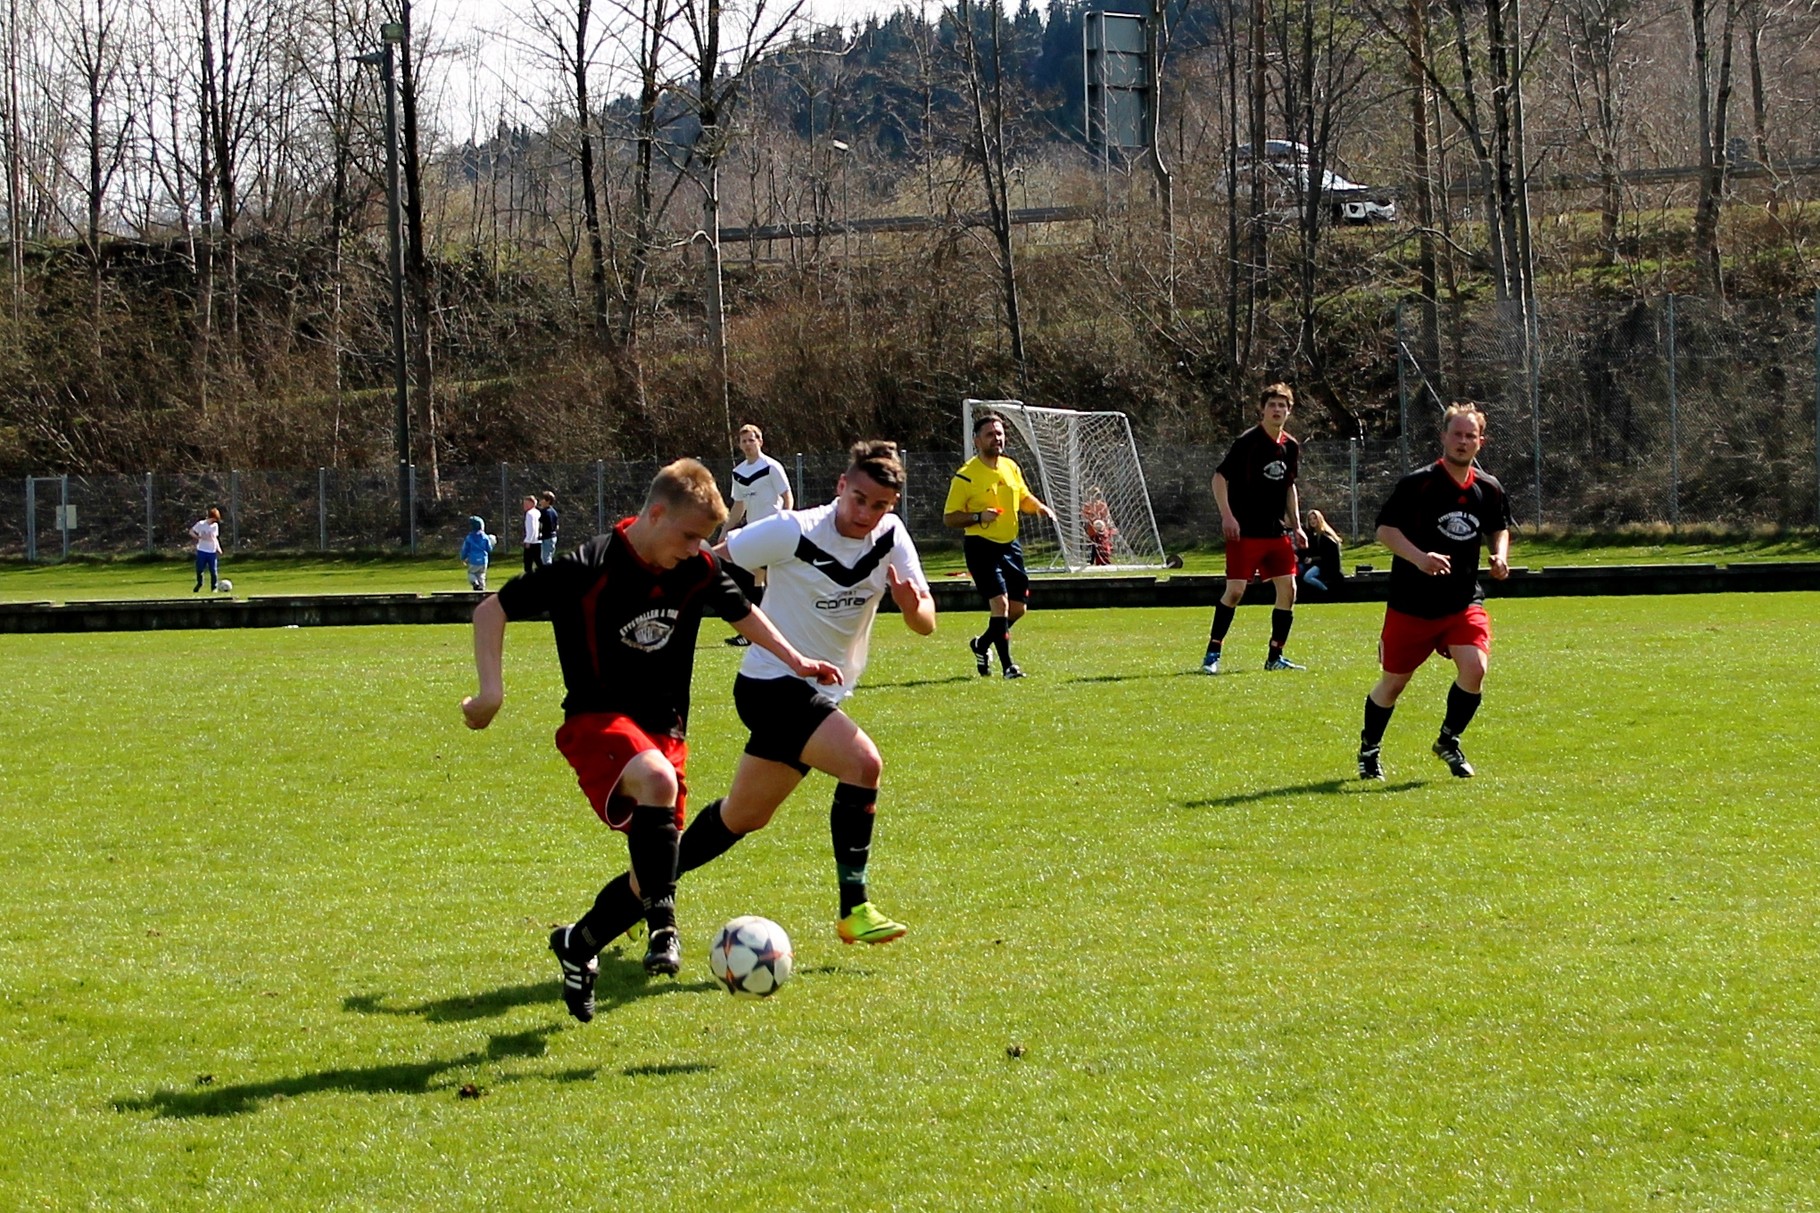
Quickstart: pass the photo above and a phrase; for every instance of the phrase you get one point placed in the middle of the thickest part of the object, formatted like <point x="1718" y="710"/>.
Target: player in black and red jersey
<point x="1433" y="523"/>
<point x="1261" y="517"/>
<point x="625" y="608"/>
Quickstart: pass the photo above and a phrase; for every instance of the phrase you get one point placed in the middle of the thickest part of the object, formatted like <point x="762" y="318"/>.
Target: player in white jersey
<point x="830" y="569"/>
<point x="760" y="489"/>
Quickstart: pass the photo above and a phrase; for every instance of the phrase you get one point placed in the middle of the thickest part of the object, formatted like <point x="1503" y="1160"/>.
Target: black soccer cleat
<point x="577" y="977"/>
<point x="1447" y="749"/>
<point x="1369" y="766"/>
<point x="737" y="642"/>
<point x="982" y="656"/>
<point x="664" y="953"/>
<point x="1011" y="671"/>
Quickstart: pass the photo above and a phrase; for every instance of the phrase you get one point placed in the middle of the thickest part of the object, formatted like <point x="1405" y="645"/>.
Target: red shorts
<point x="1409" y="639"/>
<point x="599" y="745"/>
<point x="1259" y="559"/>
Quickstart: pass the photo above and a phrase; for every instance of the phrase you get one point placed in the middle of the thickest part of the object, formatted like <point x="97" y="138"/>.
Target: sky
<point x="492" y="68"/>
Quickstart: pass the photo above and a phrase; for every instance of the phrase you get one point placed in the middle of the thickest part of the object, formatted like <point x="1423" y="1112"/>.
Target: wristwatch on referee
<point x="979" y="516"/>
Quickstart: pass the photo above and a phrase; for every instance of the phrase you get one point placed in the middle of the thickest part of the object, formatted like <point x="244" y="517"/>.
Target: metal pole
<point x="1674" y="425"/>
<point x="1817" y="406"/>
<point x="31" y="519"/>
<point x="150" y="535"/>
<point x="391" y="34"/>
<point x="903" y="498"/>
<point x="234" y="510"/>
<point x="63" y="512"/>
<point x="410" y="513"/>
<point x="1402" y="397"/>
<point x="322" y="509"/>
<point x="600" y="496"/>
<point x="505" y="500"/>
<point x="1352" y="446"/>
<point x="1533" y="356"/>
<point x="799" y="474"/>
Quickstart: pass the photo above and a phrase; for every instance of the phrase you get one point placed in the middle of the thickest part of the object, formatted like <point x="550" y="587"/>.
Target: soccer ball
<point x="227" y="587"/>
<point x="752" y="957"/>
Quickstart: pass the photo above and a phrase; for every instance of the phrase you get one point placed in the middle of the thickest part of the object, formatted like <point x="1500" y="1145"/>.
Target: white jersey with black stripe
<point x="824" y="588"/>
<point x="762" y="485"/>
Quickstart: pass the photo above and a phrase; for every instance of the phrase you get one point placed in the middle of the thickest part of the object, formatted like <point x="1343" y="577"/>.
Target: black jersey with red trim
<point x="1439" y="514"/>
<point x="625" y="630"/>
<point x="1259" y="472"/>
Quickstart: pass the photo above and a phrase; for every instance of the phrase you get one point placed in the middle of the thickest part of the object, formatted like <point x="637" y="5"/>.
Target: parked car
<point x="1346" y="201"/>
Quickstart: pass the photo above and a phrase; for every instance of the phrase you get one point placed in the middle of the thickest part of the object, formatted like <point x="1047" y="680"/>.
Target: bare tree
<point x="1713" y="92"/>
<point x="986" y="88"/>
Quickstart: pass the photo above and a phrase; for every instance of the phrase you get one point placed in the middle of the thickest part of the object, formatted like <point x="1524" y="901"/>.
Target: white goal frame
<point x="1065" y="453"/>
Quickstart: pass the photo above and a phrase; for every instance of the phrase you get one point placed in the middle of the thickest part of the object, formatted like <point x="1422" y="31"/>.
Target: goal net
<point x="1085" y="466"/>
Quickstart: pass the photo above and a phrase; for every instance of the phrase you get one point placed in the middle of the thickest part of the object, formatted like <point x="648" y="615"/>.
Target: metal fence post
<point x="1817" y="406"/>
<point x="797" y="484"/>
<point x="505" y="500"/>
<point x="411" y="507"/>
<point x="1532" y="358"/>
<point x="63" y="512"/>
<point x="31" y="520"/>
<point x="1352" y="483"/>
<point x="322" y="509"/>
<point x="150" y="530"/>
<point x="600" y="496"/>
<point x="1402" y="395"/>
<point x="903" y="498"/>
<point x="1674" y="424"/>
<point x="234" y="509"/>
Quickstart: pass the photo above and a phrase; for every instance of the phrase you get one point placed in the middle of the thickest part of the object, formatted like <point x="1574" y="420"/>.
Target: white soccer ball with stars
<point x="752" y="957"/>
<point x="227" y="587"/>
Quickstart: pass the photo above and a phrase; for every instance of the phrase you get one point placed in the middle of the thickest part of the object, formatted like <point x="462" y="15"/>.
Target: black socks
<point x="1222" y="623"/>
<point x="653" y="843"/>
<point x="998" y="635"/>
<point x="1376" y="720"/>
<point x="1280" y="623"/>
<point x="850" y="821"/>
<point x="1461" y="704"/>
<point x="706" y="839"/>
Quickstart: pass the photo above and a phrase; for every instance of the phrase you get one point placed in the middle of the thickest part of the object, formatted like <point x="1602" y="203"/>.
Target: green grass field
<point x="85" y="580"/>
<point x="269" y="908"/>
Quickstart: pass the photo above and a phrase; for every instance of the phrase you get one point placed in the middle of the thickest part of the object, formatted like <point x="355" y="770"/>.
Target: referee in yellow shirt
<point x="984" y="500"/>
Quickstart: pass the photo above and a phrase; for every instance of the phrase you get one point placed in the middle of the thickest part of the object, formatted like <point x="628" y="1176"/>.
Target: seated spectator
<point x="1319" y="562"/>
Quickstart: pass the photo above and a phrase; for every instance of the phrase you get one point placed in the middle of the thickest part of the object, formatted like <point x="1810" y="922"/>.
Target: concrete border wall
<point x="951" y="594"/>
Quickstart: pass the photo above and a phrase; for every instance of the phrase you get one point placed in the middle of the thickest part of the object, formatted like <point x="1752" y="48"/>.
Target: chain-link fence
<point x="1668" y="410"/>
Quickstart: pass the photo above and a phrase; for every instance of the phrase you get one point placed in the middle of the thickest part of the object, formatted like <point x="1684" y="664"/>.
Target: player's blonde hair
<point x="1317" y="521"/>
<point x="1274" y="391"/>
<point x="751" y="429"/>
<point x="878" y="459"/>
<point x="687" y="485"/>
<point x="1467" y="407"/>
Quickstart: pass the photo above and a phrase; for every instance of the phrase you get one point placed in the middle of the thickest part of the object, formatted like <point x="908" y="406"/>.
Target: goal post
<point x="1085" y="466"/>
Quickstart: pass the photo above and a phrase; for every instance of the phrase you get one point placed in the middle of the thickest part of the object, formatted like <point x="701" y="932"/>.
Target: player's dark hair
<point x="687" y="485"/>
<point x="878" y="459"/>
<point x="549" y="496"/>
<point x="1273" y="391"/>
<point x="982" y="420"/>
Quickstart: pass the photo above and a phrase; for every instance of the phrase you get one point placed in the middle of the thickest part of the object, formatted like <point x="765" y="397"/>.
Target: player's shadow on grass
<point x="398" y="1078"/>
<point x="622" y="980"/>
<point x="912" y="683"/>
<point x="1323" y="787"/>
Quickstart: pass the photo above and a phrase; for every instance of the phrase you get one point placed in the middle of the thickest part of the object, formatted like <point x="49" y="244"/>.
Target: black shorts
<point x="782" y="714"/>
<point x="997" y="568"/>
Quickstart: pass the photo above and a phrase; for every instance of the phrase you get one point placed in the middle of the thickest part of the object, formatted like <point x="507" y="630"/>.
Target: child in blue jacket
<point x="475" y="550"/>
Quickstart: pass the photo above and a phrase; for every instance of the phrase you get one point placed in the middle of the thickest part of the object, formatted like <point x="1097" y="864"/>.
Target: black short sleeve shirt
<point x="1438" y="514"/>
<point x="1259" y="472"/>
<point x="625" y="630"/>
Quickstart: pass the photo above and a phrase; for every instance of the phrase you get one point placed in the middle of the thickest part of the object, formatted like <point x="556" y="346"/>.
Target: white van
<point x="1346" y="201"/>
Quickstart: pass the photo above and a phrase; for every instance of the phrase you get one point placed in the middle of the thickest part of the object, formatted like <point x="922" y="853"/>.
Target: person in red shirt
<point x="1260" y="516"/>
<point x="1434" y="523"/>
<point x="625" y="609"/>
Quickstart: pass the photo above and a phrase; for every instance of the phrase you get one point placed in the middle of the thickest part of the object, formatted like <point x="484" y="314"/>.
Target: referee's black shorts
<point x="781" y="714"/>
<point x="997" y="568"/>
